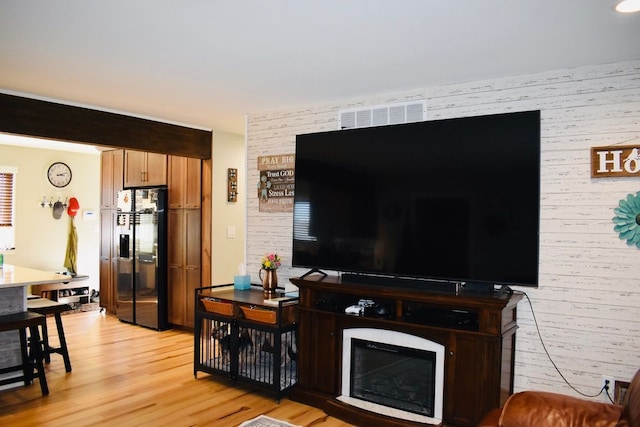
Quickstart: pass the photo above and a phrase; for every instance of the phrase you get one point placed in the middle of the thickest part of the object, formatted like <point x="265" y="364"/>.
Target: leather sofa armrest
<point x="631" y="414"/>
<point x="537" y="408"/>
<point x="491" y="419"/>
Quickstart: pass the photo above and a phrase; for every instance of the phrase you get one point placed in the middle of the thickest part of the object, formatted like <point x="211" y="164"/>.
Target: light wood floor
<point x="125" y="375"/>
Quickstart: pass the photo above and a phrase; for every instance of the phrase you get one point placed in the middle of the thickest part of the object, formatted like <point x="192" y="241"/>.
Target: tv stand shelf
<point x="478" y="331"/>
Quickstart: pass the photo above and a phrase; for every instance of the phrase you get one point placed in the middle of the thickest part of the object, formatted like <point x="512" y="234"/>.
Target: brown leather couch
<point x="544" y="409"/>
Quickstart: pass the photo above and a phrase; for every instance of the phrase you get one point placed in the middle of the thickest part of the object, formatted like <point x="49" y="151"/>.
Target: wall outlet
<point x="620" y="392"/>
<point x="607" y="396"/>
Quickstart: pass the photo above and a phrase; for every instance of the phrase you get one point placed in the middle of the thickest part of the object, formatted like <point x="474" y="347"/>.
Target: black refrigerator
<point x="141" y="245"/>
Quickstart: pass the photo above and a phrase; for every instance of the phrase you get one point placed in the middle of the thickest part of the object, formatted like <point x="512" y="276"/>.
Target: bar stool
<point x="45" y="307"/>
<point x="30" y="360"/>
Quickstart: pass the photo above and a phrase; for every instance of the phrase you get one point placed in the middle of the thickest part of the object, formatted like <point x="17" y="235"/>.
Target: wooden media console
<point x="478" y="332"/>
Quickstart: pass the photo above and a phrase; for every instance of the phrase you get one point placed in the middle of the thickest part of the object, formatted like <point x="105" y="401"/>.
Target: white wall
<point x="41" y="240"/>
<point x="227" y="252"/>
<point x="588" y="302"/>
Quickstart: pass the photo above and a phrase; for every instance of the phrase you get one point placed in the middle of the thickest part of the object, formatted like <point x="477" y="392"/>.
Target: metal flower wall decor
<point x="627" y="219"/>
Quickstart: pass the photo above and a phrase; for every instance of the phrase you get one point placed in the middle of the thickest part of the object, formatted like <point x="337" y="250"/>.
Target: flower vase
<point x="269" y="281"/>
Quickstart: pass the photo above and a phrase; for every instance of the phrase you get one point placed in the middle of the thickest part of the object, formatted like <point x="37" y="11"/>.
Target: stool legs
<point x="46" y="307"/>
<point x="27" y="367"/>
<point x="45" y="342"/>
<point x="31" y="350"/>
<point x="38" y="355"/>
<point x="63" y="344"/>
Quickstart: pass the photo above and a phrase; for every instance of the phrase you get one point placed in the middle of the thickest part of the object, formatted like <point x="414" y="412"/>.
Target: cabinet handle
<point x="451" y="353"/>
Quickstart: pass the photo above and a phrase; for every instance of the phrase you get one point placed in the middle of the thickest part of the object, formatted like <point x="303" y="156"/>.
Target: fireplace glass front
<point x="391" y="372"/>
<point x="399" y="377"/>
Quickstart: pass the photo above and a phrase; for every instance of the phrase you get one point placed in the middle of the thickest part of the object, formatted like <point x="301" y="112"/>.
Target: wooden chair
<point x="45" y="307"/>
<point x="32" y="359"/>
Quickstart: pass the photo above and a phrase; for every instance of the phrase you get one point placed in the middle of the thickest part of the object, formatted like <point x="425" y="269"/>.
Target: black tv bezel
<point x="448" y="284"/>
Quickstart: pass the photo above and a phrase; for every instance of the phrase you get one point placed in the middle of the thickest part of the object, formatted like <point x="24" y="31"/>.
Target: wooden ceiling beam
<point x="51" y="120"/>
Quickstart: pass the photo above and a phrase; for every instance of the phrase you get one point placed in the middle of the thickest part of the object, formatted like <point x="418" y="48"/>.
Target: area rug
<point x="264" y="421"/>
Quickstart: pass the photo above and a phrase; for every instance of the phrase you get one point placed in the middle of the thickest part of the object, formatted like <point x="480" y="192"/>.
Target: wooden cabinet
<point x="322" y="375"/>
<point x="111" y="170"/>
<point x="131" y="168"/>
<point x="185" y="182"/>
<point x="243" y="336"/>
<point x="183" y="264"/>
<point x="184" y="252"/>
<point x="477" y="331"/>
<point x="144" y="169"/>
<point x="108" y="260"/>
<point x="112" y="181"/>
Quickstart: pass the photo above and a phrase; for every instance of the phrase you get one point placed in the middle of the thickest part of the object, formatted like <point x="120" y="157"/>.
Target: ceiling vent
<point x="381" y="115"/>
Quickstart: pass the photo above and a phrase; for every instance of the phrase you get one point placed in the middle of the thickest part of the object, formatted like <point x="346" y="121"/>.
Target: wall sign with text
<point x="615" y="161"/>
<point x="276" y="187"/>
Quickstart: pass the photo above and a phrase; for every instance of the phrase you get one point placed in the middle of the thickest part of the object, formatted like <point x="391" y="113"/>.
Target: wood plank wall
<point x="588" y="302"/>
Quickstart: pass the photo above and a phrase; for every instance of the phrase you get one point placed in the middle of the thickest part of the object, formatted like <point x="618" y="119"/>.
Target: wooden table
<point x="14" y="281"/>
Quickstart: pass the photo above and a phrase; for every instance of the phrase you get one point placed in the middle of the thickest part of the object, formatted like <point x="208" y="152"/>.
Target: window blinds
<point x="6" y="199"/>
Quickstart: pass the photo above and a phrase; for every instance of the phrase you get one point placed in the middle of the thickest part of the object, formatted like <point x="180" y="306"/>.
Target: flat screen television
<point x="452" y="201"/>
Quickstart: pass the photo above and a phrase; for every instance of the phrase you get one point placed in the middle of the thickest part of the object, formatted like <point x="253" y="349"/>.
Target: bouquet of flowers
<point x="271" y="261"/>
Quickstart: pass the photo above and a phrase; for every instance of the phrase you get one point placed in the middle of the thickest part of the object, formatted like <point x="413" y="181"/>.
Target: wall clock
<point x="59" y="174"/>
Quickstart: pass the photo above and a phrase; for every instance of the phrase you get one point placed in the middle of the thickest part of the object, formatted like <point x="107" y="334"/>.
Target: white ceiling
<point x="207" y="63"/>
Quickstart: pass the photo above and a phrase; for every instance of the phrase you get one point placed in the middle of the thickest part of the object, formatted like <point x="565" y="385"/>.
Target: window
<point x="7" y="206"/>
<point x="301" y="220"/>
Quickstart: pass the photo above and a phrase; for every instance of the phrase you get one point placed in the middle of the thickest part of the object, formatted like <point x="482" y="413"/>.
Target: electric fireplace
<point x="394" y="373"/>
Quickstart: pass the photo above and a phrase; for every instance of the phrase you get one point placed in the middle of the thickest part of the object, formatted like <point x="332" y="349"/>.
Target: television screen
<point x="452" y="200"/>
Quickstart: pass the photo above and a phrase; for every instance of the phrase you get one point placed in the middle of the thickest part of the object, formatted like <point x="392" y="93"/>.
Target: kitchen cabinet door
<point x="111" y="170"/>
<point x="192" y="260"/>
<point x="184" y="264"/>
<point x="144" y="169"/>
<point x="108" y="260"/>
<point x="176" y="281"/>
<point x="185" y="182"/>
<point x="156" y="169"/>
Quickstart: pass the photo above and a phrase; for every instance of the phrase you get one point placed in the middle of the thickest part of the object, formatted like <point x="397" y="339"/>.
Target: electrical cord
<point x="605" y="386"/>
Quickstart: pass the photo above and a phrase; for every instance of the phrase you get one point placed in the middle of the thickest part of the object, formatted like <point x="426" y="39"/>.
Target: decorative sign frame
<point x="276" y="187"/>
<point x="232" y="185"/>
<point x="615" y="161"/>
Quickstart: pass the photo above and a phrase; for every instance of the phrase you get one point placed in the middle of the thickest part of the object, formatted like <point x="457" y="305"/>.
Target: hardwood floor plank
<point x="126" y="375"/>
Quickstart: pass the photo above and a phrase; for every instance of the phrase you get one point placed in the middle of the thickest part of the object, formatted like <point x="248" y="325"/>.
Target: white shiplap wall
<point x="588" y="302"/>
